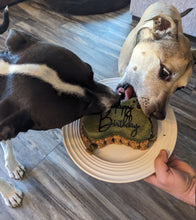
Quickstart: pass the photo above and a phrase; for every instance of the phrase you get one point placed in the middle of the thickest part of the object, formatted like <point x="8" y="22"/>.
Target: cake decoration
<point x="125" y="124"/>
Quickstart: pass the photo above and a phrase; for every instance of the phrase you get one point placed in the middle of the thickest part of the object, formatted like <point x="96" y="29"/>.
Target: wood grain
<point x="54" y="187"/>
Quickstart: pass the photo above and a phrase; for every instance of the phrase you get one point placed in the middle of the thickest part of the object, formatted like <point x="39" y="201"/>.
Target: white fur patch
<point x="14" y="168"/>
<point x="106" y="102"/>
<point x="12" y="196"/>
<point x="42" y="72"/>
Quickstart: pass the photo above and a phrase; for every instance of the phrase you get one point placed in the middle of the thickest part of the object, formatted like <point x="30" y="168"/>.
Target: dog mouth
<point x="126" y="91"/>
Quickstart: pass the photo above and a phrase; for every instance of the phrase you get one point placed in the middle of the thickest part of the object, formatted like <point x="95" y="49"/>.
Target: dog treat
<point x="125" y="124"/>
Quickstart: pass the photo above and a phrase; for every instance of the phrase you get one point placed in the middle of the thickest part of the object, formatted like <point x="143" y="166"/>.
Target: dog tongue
<point x="129" y="92"/>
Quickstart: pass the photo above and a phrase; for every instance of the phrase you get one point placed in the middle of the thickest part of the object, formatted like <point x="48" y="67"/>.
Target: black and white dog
<point x="42" y="86"/>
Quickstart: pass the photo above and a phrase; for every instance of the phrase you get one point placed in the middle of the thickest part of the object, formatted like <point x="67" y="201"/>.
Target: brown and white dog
<point x="156" y="59"/>
<point x="42" y="86"/>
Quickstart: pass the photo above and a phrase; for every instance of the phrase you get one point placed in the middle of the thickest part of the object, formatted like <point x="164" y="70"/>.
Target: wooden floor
<point x="54" y="187"/>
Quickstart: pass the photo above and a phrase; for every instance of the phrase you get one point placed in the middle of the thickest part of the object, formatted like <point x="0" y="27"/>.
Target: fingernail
<point x="163" y="151"/>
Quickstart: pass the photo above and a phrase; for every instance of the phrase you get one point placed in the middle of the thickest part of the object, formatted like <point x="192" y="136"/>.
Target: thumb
<point x="161" y="167"/>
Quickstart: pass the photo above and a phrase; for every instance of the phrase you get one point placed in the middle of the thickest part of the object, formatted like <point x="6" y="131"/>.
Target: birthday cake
<point x="125" y="124"/>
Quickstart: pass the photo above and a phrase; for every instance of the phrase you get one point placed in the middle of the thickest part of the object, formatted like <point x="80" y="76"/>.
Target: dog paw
<point x="12" y="197"/>
<point x="15" y="170"/>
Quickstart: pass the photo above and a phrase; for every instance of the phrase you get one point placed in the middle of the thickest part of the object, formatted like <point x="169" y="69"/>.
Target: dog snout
<point x="101" y="98"/>
<point x="108" y="98"/>
<point x="116" y="100"/>
<point x="160" y="115"/>
<point x="112" y="100"/>
<point x="158" y="110"/>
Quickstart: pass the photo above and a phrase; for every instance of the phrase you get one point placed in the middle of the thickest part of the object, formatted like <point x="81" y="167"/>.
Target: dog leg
<point x="14" y="168"/>
<point x="12" y="196"/>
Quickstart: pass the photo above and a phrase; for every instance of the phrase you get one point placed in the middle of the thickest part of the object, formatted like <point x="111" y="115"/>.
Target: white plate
<point x="119" y="163"/>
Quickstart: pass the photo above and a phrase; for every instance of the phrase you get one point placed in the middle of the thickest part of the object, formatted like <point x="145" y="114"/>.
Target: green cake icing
<point x="127" y="121"/>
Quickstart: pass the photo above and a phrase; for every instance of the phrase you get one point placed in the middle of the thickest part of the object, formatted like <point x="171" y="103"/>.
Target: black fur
<point x="30" y="103"/>
<point x="4" y="26"/>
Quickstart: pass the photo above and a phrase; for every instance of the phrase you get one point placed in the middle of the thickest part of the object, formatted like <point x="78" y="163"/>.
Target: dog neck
<point x="42" y="72"/>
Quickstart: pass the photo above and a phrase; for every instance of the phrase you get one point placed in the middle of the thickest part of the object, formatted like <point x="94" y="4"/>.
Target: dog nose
<point x="159" y="115"/>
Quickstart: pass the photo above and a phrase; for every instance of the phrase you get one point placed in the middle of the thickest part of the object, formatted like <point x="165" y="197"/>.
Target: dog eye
<point x="164" y="73"/>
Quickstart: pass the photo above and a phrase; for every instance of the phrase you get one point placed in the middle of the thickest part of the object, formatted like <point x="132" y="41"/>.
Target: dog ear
<point x="164" y="27"/>
<point x="17" y="40"/>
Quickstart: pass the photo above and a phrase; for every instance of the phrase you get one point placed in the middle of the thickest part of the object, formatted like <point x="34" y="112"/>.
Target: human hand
<point x="175" y="177"/>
